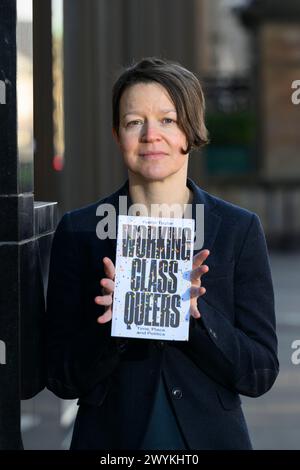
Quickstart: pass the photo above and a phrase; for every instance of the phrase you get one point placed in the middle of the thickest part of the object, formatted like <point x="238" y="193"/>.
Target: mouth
<point x="152" y="155"/>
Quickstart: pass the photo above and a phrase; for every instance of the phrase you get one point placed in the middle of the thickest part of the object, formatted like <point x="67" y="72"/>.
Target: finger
<point x="108" y="286"/>
<point x="195" y="312"/>
<point x="200" y="257"/>
<point x="197" y="273"/>
<point x="196" y="292"/>
<point x="105" y="300"/>
<point x="106" y="317"/>
<point x="109" y="268"/>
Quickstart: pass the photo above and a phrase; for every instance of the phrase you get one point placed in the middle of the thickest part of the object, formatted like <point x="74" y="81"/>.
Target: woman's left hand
<point x="196" y="289"/>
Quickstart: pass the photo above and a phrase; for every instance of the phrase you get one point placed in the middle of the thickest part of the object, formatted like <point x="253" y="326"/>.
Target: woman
<point x="147" y="394"/>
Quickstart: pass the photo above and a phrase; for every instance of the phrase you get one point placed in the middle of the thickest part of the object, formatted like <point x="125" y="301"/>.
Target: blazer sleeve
<point x="80" y="352"/>
<point x="241" y="356"/>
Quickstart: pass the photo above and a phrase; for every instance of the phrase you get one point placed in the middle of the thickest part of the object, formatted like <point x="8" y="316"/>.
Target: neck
<point x="161" y="198"/>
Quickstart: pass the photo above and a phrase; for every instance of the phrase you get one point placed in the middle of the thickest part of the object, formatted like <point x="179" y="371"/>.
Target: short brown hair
<point x="183" y="87"/>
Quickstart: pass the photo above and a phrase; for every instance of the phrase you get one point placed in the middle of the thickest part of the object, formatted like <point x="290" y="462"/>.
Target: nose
<point x="150" y="132"/>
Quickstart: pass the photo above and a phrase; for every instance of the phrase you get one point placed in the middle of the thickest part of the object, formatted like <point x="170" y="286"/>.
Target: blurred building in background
<point x="245" y="52"/>
<point x="226" y="45"/>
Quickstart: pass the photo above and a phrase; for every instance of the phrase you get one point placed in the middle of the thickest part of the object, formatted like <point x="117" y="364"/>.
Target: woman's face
<point x="149" y="137"/>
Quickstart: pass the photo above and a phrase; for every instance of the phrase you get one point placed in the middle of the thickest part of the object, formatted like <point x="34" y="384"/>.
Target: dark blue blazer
<point x="231" y="350"/>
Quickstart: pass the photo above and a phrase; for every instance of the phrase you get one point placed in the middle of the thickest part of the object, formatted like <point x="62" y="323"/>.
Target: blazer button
<point x="213" y="333"/>
<point x="160" y="344"/>
<point x="177" y="393"/>
<point x="122" y="345"/>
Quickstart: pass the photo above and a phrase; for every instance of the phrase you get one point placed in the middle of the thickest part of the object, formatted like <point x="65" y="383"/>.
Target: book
<point x="154" y="260"/>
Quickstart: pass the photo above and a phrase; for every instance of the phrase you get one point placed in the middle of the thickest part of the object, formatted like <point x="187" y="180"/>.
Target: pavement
<point x="273" y="419"/>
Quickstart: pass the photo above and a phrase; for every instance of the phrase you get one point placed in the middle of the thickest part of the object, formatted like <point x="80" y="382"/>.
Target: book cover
<point x="154" y="260"/>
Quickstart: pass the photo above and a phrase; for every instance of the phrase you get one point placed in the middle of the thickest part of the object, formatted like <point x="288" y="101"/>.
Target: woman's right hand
<point x="108" y="287"/>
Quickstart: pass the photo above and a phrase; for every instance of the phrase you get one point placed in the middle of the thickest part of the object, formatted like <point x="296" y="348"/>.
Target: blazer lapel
<point x="212" y="220"/>
<point x="115" y="201"/>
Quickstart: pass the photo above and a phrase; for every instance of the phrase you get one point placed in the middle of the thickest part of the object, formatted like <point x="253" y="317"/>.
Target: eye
<point x="168" y="121"/>
<point x="135" y="122"/>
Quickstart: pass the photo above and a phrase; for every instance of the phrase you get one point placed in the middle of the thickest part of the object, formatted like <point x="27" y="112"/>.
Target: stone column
<point x="16" y="212"/>
<point x="276" y="28"/>
<point x="280" y="67"/>
<point x="25" y="228"/>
